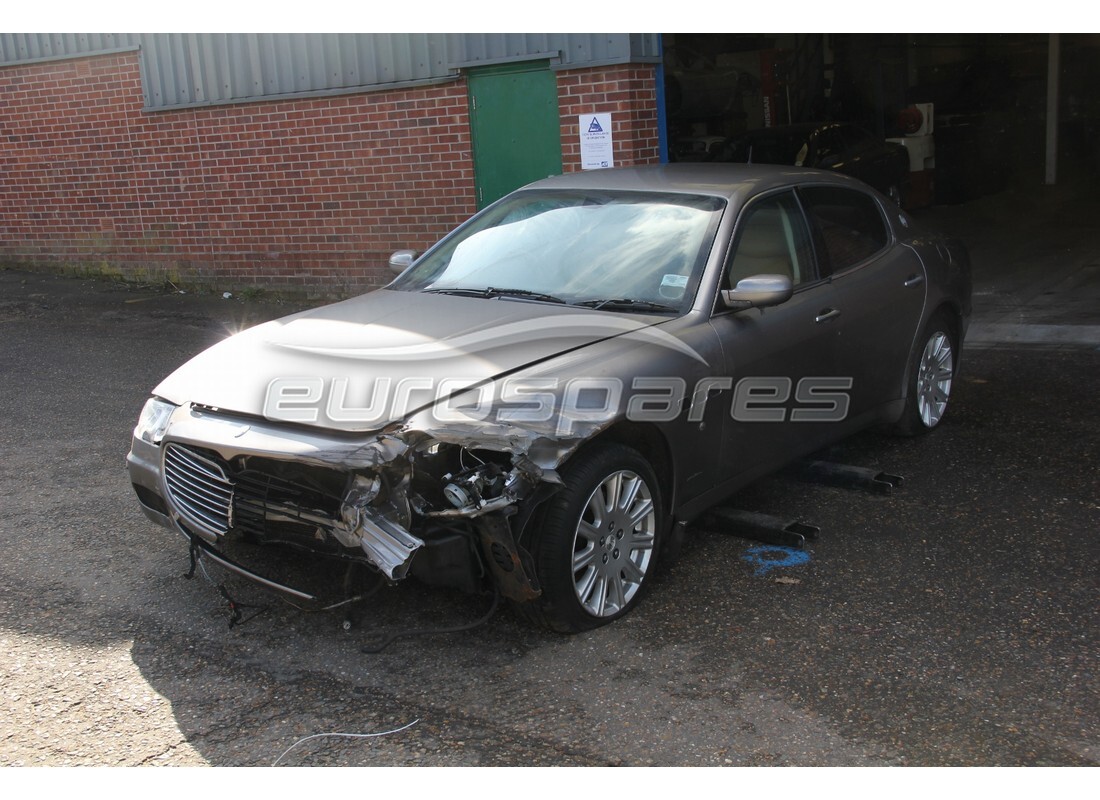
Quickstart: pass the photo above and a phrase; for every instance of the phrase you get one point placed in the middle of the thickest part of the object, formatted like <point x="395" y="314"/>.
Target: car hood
<point x="404" y="350"/>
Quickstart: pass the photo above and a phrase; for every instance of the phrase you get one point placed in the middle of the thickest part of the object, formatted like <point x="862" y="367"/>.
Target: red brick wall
<point x="289" y="194"/>
<point x="293" y="194"/>
<point x="629" y="93"/>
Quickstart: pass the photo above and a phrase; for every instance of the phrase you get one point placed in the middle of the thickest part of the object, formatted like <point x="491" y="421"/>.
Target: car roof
<point x="731" y="181"/>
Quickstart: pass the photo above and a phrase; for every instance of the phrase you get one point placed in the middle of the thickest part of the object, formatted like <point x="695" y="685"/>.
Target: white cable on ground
<point x="344" y="735"/>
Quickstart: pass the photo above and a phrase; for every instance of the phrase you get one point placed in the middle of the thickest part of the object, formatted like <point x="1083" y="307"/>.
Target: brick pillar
<point x="628" y="93"/>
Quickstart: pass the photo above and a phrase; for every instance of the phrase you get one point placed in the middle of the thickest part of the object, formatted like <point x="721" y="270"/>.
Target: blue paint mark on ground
<point x="767" y="557"/>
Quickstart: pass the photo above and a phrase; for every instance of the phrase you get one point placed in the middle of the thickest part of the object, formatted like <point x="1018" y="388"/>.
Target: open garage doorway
<point x="970" y="108"/>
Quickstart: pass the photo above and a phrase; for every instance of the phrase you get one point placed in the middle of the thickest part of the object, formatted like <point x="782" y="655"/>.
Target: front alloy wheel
<point x="598" y="539"/>
<point x="613" y="547"/>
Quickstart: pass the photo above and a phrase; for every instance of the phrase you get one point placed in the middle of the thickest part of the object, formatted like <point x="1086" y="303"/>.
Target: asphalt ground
<point x="951" y="622"/>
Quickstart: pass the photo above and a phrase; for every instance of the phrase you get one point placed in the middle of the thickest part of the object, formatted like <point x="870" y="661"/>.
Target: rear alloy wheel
<point x="930" y="380"/>
<point x="598" y="541"/>
<point x="937" y="369"/>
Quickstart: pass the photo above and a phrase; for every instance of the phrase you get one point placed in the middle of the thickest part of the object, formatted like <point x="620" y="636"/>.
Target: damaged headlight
<point x="153" y="421"/>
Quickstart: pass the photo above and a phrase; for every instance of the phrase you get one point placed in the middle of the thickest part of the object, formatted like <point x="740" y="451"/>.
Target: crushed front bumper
<point x="211" y="476"/>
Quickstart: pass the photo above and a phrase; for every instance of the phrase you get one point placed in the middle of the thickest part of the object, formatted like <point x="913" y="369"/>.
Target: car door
<point x="879" y="292"/>
<point x="773" y="356"/>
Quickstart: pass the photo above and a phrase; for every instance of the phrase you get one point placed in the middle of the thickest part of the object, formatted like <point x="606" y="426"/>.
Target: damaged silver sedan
<point x="540" y="403"/>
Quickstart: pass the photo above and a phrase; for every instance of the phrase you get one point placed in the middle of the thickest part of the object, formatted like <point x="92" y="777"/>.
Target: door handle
<point x="827" y="314"/>
<point x="914" y="280"/>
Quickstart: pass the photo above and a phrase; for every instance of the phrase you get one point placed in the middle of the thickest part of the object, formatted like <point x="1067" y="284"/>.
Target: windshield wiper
<point x="493" y="291"/>
<point x="626" y="304"/>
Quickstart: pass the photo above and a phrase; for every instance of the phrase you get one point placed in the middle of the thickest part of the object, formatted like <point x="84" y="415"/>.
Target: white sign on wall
<point x="596" y="142"/>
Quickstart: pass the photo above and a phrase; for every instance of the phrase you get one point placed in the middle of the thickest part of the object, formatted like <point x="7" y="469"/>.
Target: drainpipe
<point x="1053" y="68"/>
<point x="662" y="117"/>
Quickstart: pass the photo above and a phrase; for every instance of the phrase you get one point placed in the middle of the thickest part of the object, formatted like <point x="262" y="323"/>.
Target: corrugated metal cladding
<point x="41" y="46"/>
<point x="186" y="69"/>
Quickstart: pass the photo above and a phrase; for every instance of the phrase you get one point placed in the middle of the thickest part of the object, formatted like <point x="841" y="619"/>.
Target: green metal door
<point x="515" y="127"/>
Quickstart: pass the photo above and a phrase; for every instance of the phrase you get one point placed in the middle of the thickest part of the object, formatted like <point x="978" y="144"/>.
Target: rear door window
<point x="848" y="226"/>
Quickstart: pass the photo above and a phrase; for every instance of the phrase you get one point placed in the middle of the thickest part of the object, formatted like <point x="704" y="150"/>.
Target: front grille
<point x="198" y="489"/>
<point x="271" y="507"/>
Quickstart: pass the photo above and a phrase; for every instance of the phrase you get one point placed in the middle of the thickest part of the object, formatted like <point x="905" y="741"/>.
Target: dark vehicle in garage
<point x="838" y="146"/>
<point x="536" y="403"/>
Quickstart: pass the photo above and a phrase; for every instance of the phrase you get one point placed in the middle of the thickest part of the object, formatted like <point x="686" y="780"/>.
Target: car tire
<point x="596" y="548"/>
<point x="931" y="376"/>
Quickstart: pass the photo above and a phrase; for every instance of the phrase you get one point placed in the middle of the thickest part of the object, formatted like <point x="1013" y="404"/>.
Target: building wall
<point x="629" y="93"/>
<point x="292" y="194"/>
<point x="194" y="69"/>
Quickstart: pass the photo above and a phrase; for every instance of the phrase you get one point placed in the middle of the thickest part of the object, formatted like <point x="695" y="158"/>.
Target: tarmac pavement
<point x="1035" y="254"/>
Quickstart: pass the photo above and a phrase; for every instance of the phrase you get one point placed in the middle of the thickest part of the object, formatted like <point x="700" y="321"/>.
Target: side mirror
<point x="401" y="260"/>
<point x="759" y="291"/>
